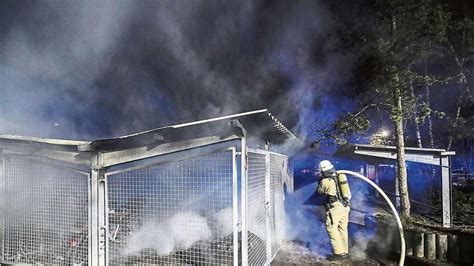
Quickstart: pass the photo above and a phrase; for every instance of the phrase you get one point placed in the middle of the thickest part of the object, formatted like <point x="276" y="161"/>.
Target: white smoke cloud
<point x="224" y="222"/>
<point x="180" y="231"/>
<point x="361" y="242"/>
<point x="151" y="235"/>
<point x="187" y="228"/>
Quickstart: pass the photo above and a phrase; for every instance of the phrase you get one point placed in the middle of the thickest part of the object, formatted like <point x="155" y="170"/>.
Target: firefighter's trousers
<point x="337" y="219"/>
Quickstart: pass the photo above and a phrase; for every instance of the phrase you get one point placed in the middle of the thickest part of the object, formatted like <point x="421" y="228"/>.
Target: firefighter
<point x="337" y="205"/>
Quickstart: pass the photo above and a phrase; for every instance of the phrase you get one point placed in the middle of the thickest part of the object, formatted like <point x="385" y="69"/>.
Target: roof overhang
<point x="260" y="124"/>
<point x="376" y="153"/>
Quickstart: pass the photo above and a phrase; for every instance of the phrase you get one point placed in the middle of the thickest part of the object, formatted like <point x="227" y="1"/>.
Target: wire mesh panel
<point x="174" y="213"/>
<point x="256" y="214"/>
<point x="278" y="176"/>
<point x="2" y="208"/>
<point x="46" y="213"/>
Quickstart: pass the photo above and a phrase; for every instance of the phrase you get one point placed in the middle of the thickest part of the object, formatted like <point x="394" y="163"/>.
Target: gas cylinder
<point x="344" y="187"/>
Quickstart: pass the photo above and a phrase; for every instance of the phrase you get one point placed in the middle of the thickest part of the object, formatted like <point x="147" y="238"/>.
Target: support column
<point x="409" y="242"/>
<point x="98" y="214"/>
<point x="430" y="246"/>
<point x="453" y="249"/>
<point x="446" y="187"/>
<point x="441" y="246"/>
<point x="269" y="205"/>
<point x="418" y="244"/>
<point x="2" y="206"/>
<point x="244" y="187"/>
<point x="235" y="206"/>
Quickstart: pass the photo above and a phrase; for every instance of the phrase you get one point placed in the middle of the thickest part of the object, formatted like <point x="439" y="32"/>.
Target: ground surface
<point x="292" y="253"/>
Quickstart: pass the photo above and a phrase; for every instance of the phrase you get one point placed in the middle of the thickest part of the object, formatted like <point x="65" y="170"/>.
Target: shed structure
<point x="208" y="192"/>
<point x="436" y="157"/>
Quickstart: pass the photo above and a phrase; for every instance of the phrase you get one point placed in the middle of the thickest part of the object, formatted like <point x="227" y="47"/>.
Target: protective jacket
<point x="327" y="186"/>
<point x="337" y="215"/>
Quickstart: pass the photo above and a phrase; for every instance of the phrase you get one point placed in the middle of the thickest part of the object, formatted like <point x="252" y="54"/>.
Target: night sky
<point x="93" y="69"/>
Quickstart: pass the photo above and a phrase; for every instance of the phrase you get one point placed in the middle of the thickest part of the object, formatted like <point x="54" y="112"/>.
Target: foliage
<point x="463" y="200"/>
<point x="401" y="34"/>
<point x="393" y="40"/>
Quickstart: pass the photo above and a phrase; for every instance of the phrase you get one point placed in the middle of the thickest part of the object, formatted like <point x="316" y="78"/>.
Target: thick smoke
<point x="99" y="69"/>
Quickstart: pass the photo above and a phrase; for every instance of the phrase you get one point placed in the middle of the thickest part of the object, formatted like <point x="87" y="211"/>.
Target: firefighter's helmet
<point x="326" y="168"/>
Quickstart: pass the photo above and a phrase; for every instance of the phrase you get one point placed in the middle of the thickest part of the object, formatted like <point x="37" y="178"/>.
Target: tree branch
<point x="364" y="109"/>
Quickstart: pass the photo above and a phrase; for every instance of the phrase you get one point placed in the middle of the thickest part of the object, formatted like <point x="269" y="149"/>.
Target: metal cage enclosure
<point x="166" y="196"/>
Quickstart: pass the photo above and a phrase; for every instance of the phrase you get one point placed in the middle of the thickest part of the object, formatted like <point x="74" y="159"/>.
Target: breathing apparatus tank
<point x="343" y="191"/>
<point x="344" y="187"/>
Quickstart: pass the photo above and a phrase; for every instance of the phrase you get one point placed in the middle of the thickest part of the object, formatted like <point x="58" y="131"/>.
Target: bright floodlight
<point x="384" y="133"/>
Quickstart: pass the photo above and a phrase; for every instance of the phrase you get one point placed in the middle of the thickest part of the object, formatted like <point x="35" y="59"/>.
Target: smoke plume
<point x="100" y="69"/>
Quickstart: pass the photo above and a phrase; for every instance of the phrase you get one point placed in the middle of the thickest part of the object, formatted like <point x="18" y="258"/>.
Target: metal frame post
<point x="446" y="186"/>
<point x="103" y="225"/>
<point x="93" y="210"/>
<point x="98" y="229"/>
<point x="244" y="188"/>
<point x="2" y="206"/>
<point x="268" y="205"/>
<point x="235" y="206"/>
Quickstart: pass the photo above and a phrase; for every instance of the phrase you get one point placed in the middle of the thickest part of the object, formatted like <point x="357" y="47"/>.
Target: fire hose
<point x="394" y="211"/>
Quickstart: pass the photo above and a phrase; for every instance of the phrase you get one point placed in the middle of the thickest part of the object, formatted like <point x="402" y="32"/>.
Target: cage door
<point x="175" y="212"/>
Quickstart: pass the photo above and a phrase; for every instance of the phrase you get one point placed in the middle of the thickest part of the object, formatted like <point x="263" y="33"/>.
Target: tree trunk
<point x="401" y="163"/>
<point x="397" y="118"/>
<point x="456" y="120"/>
<point x="429" y="119"/>
<point x="417" y="126"/>
<point x="430" y="123"/>
<point x="428" y="104"/>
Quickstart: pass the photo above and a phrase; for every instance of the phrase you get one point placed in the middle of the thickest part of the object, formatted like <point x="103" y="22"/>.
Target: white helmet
<point x="325" y="165"/>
